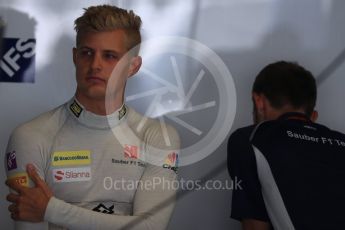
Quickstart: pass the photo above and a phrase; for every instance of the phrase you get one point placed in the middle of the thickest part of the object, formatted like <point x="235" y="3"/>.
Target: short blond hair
<point x="106" y="18"/>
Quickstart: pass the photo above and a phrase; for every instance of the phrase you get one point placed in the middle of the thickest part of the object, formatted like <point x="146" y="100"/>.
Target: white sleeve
<point x="153" y="205"/>
<point x="21" y="150"/>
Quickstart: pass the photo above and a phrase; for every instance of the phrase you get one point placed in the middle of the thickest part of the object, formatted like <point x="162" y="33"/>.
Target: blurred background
<point x="204" y="101"/>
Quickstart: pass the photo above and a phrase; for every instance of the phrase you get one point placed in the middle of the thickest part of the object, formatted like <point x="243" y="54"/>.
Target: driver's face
<point x="95" y="58"/>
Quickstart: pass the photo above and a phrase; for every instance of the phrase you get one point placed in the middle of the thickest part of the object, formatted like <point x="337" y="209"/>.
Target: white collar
<point x="89" y="119"/>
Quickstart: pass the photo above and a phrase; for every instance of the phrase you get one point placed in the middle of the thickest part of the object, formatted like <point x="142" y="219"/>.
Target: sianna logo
<point x="59" y="175"/>
<point x="17" y="60"/>
<point x="72" y="174"/>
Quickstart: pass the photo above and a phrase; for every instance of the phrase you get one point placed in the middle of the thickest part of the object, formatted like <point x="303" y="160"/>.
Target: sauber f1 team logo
<point x="71" y="174"/>
<point x="131" y="151"/>
<point x="171" y="162"/>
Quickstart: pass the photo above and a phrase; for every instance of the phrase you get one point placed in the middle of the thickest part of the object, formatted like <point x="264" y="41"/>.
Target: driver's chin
<point x="96" y="93"/>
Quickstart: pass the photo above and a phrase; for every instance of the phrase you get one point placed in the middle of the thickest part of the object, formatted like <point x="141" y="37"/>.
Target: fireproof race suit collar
<point x="92" y="120"/>
<point x="294" y="116"/>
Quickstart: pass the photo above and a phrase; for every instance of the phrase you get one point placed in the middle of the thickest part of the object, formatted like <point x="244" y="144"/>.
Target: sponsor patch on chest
<point x="82" y="157"/>
<point x="71" y="174"/>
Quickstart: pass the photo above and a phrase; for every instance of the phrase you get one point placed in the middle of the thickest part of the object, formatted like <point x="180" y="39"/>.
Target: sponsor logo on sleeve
<point x="71" y="158"/>
<point x="171" y="162"/>
<point x="11" y="160"/>
<point x="76" y="108"/>
<point x="21" y="178"/>
<point x="131" y="151"/>
<point x="71" y="174"/>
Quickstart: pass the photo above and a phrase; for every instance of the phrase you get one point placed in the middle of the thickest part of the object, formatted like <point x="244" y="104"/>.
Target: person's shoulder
<point x="327" y="131"/>
<point x="269" y="129"/>
<point x="153" y="131"/>
<point x="338" y="133"/>
<point x="239" y="150"/>
<point x="42" y="126"/>
<point x="243" y="132"/>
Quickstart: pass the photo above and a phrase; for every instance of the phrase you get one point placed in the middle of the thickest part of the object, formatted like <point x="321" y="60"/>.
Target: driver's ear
<point x="134" y="66"/>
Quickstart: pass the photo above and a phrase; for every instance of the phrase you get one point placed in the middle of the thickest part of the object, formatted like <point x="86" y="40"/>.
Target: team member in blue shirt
<point x="291" y="168"/>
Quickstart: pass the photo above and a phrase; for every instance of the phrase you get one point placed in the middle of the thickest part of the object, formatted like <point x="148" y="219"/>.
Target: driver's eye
<point x="85" y="53"/>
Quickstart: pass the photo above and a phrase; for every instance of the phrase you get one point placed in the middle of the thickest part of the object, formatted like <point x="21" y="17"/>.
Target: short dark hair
<point x="285" y="83"/>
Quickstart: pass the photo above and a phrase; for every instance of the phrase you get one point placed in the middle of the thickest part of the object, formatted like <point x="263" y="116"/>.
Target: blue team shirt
<point x="292" y="173"/>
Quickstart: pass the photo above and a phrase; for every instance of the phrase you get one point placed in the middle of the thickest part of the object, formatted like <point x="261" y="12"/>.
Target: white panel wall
<point x="246" y="34"/>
